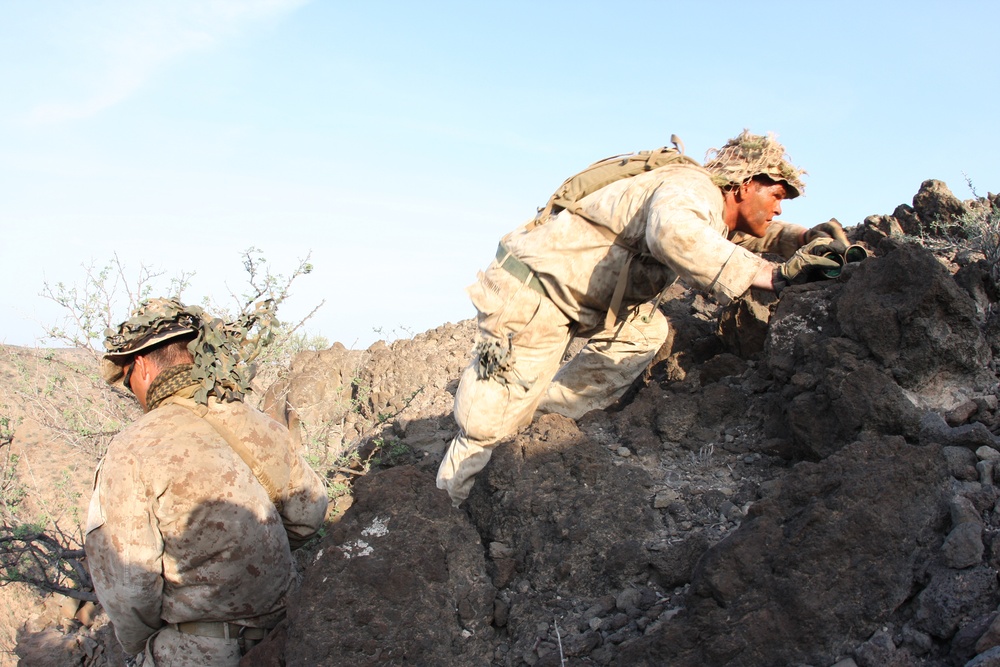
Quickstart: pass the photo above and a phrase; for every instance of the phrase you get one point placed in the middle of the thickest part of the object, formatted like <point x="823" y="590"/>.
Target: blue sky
<point x="397" y="141"/>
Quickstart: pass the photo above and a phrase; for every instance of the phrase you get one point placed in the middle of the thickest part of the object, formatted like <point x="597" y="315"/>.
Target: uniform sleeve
<point x="304" y="509"/>
<point x="780" y="238"/>
<point x="685" y="233"/>
<point x="124" y="551"/>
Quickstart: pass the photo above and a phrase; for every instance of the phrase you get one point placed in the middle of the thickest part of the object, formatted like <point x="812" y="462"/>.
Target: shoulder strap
<point x="598" y="175"/>
<point x="607" y="171"/>
<point x="234" y="443"/>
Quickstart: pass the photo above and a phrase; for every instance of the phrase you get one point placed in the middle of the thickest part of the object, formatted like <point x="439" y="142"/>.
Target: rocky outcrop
<point x="340" y="398"/>
<point x="936" y="211"/>
<point x="868" y="352"/>
<point x="827" y="496"/>
<point x="821" y="562"/>
<point x="400" y="580"/>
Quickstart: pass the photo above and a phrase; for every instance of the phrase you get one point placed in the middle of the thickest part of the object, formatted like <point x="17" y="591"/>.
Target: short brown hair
<point x="172" y="353"/>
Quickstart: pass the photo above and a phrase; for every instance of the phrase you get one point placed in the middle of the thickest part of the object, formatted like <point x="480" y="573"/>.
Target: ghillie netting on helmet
<point x="224" y="353"/>
<point x="749" y="155"/>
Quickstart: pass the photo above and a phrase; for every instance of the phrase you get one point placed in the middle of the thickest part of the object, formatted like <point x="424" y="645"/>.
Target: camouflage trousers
<point x="515" y="370"/>
<point x="170" y="648"/>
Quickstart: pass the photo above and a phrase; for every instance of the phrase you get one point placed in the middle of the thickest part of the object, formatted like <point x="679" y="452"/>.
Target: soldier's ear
<point x="144" y="366"/>
<point x="739" y="191"/>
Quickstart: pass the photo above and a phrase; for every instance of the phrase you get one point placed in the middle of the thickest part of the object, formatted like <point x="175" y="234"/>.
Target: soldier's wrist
<point x="778" y="280"/>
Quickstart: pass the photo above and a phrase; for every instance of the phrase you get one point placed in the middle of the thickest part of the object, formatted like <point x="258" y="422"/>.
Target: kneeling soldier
<point x="197" y="505"/>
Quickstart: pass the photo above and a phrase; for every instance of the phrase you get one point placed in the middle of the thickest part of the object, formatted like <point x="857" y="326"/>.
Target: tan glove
<point x="808" y="264"/>
<point x="831" y="230"/>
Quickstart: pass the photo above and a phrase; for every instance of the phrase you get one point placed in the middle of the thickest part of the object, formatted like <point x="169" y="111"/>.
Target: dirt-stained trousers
<point x="515" y="370"/>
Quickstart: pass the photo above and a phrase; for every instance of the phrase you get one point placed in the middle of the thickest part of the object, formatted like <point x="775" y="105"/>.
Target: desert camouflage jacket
<point x="674" y="217"/>
<point x="180" y="530"/>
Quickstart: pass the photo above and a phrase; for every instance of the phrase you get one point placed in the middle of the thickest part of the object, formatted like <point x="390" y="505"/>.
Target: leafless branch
<point x="50" y="561"/>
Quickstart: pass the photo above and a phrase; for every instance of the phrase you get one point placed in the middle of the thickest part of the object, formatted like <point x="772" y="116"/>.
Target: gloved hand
<point x="807" y="264"/>
<point x="831" y="230"/>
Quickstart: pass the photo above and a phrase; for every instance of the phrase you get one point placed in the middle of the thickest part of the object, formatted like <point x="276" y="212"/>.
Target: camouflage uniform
<point x="180" y="530"/>
<point x="674" y="216"/>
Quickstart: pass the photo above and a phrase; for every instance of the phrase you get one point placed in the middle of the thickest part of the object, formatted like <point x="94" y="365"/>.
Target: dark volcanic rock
<point x="953" y="596"/>
<point x="401" y="579"/>
<point x="573" y="521"/>
<point x="893" y="335"/>
<point x="815" y="568"/>
<point x="343" y="397"/>
<point x="562" y="521"/>
<point x="915" y="319"/>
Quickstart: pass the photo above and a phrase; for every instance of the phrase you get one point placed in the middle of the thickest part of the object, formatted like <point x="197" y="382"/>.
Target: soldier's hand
<point x="830" y="230"/>
<point x="809" y="262"/>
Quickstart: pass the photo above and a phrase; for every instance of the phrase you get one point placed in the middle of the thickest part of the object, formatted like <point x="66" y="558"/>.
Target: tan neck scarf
<point x="167" y="383"/>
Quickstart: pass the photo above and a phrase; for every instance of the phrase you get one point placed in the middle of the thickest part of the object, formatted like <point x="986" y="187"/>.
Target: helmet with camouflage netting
<point x="223" y="352"/>
<point x="749" y="155"/>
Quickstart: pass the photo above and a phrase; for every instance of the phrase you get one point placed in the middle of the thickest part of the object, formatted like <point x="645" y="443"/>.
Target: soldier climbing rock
<point x="593" y="263"/>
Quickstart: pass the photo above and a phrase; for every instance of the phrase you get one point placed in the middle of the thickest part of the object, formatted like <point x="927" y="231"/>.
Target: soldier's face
<point x="759" y="203"/>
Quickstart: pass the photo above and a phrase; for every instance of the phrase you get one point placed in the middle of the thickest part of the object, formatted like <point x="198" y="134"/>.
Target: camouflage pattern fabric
<point x="673" y="215"/>
<point x="170" y="648"/>
<point x="749" y="155"/>
<point x="167" y="383"/>
<point x="180" y="530"/>
<point x="224" y="352"/>
<point x="600" y="373"/>
<point x="488" y="409"/>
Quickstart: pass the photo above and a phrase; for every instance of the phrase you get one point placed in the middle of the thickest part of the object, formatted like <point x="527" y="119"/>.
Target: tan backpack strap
<point x="598" y="175"/>
<point x="619" y="295"/>
<point x="234" y="443"/>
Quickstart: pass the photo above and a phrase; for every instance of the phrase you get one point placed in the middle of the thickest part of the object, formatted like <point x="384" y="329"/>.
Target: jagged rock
<point x="846" y="391"/>
<point x="317" y="391"/>
<point x="990" y="658"/>
<point x="966" y="638"/>
<point x="743" y="323"/>
<point x="691" y="339"/>
<point x="907" y="310"/>
<point x="270" y="652"/>
<point x="877" y="227"/>
<point x="935" y="430"/>
<point x="797" y="581"/>
<point x="977" y="279"/>
<point x="753" y="503"/>
<point x="936" y="207"/>
<point x="953" y="595"/>
<point x="531" y="494"/>
<point x="990" y="638"/>
<point x="400" y="579"/>
<point x="964" y="545"/>
<point x="908" y="220"/>
<point x="961" y="413"/>
<point x="341" y="396"/>
<point x="674" y="563"/>
<point x="892" y="334"/>
<point x="676" y="416"/>
<point x="879" y="651"/>
<point x="961" y="462"/>
<point x="722" y="366"/>
<point x="48" y="648"/>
